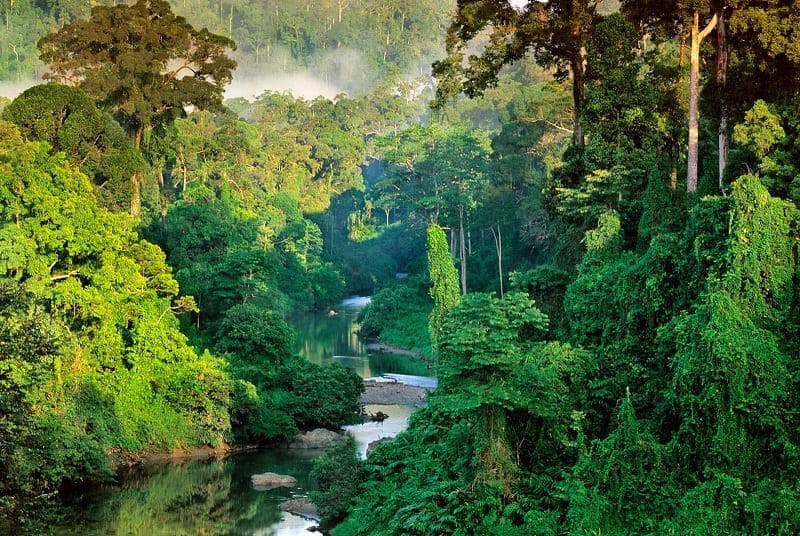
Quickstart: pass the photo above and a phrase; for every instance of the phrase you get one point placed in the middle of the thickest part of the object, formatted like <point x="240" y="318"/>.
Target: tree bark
<point x="694" y="95"/>
<point x="498" y="244"/>
<point x="578" y="66"/>
<point x="164" y="204"/>
<point x="722" y="81"/>
<point x="463" y="249"/>
<point x="136" y="180"/>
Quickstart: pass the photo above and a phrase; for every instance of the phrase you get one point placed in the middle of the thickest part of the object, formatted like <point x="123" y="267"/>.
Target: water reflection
<point x="210" y="498"/>
<point x="324" y="339"/>
<point x="194" y="498"/>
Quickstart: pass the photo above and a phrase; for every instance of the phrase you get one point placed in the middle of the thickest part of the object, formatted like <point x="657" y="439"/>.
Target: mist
<point x="303" y="85"/>
<point x="327" y="75"/>
<point x="11" y="90"/>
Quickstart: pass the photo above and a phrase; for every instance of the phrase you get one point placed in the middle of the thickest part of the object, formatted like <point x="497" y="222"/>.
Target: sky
<point x="519" y="3"/>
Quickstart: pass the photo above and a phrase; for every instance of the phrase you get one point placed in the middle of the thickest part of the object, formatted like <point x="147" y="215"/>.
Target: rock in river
<point x="316" y="439"/>
<point x="302" y="507"/>
<point x="272" y="481"/>
<point x="393" y="392"/>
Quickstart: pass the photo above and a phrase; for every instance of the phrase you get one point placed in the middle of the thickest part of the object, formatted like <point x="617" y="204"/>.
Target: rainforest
<point x="401" y="267"/>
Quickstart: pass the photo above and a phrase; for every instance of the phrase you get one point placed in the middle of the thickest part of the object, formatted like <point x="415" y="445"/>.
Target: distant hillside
<point x="345" y="44"/>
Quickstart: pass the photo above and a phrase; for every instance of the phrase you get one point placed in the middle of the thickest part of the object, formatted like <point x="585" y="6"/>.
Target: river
<point x="211" y="497"/>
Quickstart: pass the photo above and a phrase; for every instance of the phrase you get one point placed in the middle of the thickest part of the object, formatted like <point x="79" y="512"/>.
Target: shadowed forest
<point x="581" y="215"/>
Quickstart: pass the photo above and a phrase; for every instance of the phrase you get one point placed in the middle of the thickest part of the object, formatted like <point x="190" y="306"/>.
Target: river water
<point x="215" y="497"/>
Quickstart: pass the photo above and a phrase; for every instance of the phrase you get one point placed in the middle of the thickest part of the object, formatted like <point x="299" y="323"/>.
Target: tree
<point x="143" y="63"/>
<point x="261" y="339"/>
<point x="118" y="374"/>
<point x="444" y="280"/>
<point x="69" y="121"/>
<point x="557" y="31"/>
<point x="750" y="36"/>
<point x="698" y="36"/>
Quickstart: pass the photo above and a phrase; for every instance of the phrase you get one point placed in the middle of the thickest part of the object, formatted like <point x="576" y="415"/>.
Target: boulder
<point x="316" y="439"/>
<point x="300" y="506"/>
<point x="272" y="481"/>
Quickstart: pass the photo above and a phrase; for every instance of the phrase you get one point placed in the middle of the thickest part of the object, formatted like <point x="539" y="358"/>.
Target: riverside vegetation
<point x="592" y="234"/>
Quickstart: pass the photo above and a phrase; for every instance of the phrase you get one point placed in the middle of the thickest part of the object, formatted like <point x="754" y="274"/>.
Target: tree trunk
<point x="578" y="66"/>
<point x="463" y="248"/>
<point x="694" y="95"/>
<point x="682" y="48"/>
<point x="162" y="195"/>
<point x="136" y="180"/>
<point x="498" y="244"/>
<point x="722" y="81"/>
<point x="452" y="242"/>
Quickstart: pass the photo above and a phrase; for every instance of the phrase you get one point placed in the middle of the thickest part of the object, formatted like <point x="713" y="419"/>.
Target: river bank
<point x="377" y="392"/>
<point x="127" y="460"/>
<point x="213" y="485"/>
<point x="375" y="345"/>
<point x="380" y="391"/>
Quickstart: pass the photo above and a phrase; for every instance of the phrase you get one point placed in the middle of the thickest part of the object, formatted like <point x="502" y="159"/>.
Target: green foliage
<point x="398" y="315"/>
<point x="350" y="45"/>
<point x="546" y="285"/>
<point x="444" y="281"/>
<point x="761" y="129"/>
<point x="321" y="396"/>
<point x="339" y="474"/>
<point x="654" y="390"/>
<point x="111" y="370"/>
<point x="257" y="335"/>
<point x="109" y="63"/>
<point x="493" y="431"/>
<point x="658" y="212"/>
<point x="69" y="121"/>
<point x="277" y="392"/>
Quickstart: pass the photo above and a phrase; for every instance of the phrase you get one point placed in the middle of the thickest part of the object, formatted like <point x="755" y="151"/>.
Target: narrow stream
<point x="215" y="497"/>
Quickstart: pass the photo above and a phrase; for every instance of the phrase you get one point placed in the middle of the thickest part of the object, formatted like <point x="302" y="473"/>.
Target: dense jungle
<point x="514" y="268"/>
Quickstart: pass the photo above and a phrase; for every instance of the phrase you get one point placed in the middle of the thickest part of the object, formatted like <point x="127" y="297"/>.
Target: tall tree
<point x="698" y="36"/>
<point x="143" y="63"/>
<point x="69" y="121"/>
<point x="444" y="280"/>
<point x="557" y="31"/>
<point x="765" y="31"/>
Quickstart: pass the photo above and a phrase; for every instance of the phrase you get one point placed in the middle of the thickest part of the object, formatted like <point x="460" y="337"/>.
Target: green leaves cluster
<point x="92" y="348"/>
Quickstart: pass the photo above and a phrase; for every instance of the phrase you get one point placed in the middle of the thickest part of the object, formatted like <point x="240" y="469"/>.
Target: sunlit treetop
<point x="142" y="62"/>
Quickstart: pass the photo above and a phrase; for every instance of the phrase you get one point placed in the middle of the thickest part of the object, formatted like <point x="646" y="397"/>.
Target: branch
<point x="187" y="64"/>
<point x="557" y="127"/>
<point x="707" y="30"/>
<point x="61" y="277"/>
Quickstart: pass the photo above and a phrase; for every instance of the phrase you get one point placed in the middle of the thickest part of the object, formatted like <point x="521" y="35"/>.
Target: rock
<point x="316" y="439"/>
<point x="378" y="417"/>
<point x="374" y="444"/>
<point x="272" y="481"/>
<point x="300" y="506"/>
<point x="388" y="393"/>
